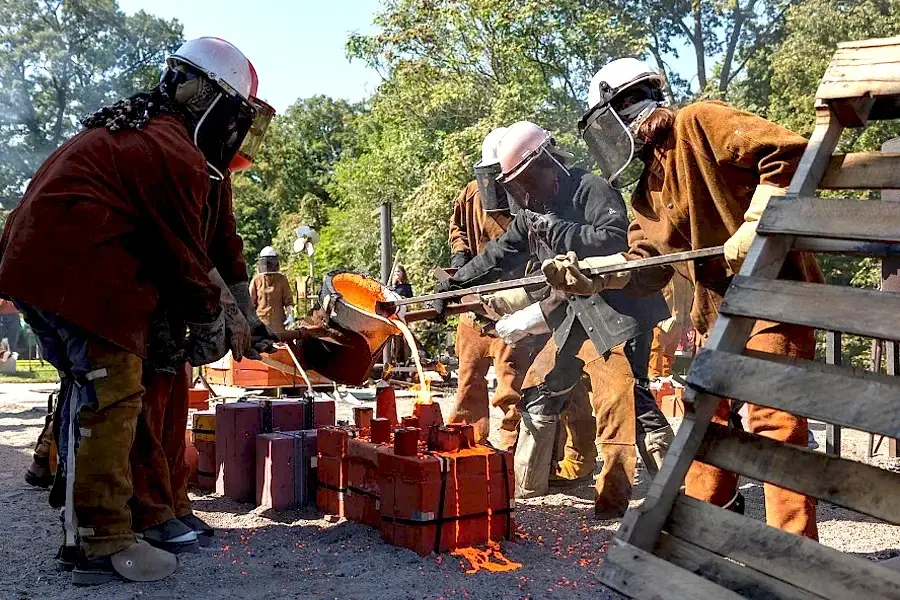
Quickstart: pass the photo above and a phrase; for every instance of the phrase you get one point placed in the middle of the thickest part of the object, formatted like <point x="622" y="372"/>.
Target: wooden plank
<point x="641" y="526"/>
<point x="870" y="43"/>
<point x="853" y="485"/>
<point x="831" y="246"/>
<point x="860" y="220"/>
<point x="868" y="313"/>
<point x="740" y="579"/>
<point x="849" y="397"/>
<point x="639" y="574"/>
<point x="857" y="72"/>
<point x="793" y="559"/>
<point x="862" y="171"/>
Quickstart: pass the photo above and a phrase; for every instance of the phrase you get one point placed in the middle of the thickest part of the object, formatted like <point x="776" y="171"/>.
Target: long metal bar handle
<point x="632" y="265"/>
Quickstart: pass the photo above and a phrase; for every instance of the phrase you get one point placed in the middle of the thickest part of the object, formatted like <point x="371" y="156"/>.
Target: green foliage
<point x="60" y="60"/>
<point x="290" y="180"/>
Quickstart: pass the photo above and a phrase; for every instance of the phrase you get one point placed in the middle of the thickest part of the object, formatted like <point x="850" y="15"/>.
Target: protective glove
<point x="520" y="324"/>
<point x="738" y="245"/>
<point x="237" y="330"/>
<point x="459" y="259"/>
<point x="565" y="273"/>
<point x="207" y="342"/>
<point x="164" y="355"/>
<point x="262" y="338"/>
<point x="441" y="305"/>
<point x="507" y="302"/>
<point x="540" y="228"/>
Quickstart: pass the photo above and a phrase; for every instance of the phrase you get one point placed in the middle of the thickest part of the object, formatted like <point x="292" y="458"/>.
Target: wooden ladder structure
<point x="680" y="548"/>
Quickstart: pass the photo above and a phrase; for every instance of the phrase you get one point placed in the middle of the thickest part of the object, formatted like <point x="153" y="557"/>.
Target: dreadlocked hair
<point x="132" y="113"/>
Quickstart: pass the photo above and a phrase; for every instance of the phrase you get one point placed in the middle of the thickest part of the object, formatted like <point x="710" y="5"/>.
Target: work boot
<point x="38" y="474"/>
<point x="138" y="562"/>
<point x="534" y="454"/>
<point x="172" y="536"/>
<point x="507" y="439"/>
<point x="67" y="557"/>
<point x="205" y="532"/>
<point x="653" y="447"/>
<point x="613" y="486"/>
<point x="571" y="470"/>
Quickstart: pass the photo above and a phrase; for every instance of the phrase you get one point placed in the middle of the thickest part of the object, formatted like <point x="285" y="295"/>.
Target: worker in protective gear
<point x="270" y="291"/>
<point x="679" y="295"/>
<point x="160" y="507"/>
<point x="481" y="214"/>
<point x="562" y="210"/>
<point x="127" y="194"/>
<point x="709" y="170"/>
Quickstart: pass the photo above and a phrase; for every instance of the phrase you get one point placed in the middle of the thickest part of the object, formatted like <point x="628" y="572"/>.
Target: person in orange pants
<point x="477" y="352"/>
<point x="481" y="213"/>
<point x="160" y="505"/>
<point x="709" y="171"/>
<point x="667" y="335"/>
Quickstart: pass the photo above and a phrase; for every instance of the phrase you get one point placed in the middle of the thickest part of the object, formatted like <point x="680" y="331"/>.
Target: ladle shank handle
<point x="427" y="314"/>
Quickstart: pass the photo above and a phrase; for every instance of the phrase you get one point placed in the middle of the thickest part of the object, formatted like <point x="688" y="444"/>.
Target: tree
<point x="59" y="60"/>
<point x="453" y="70"/>
<point x="291" y="178"/>
<point x="723" y="38"/>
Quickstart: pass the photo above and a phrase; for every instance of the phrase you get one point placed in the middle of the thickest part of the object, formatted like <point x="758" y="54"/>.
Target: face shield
<point x="536" y="186"/>
<point x="221" y="130"/>
<point x="608" y="139"/>
<point x="254" y="137"/>
<point x="493" y="196"/>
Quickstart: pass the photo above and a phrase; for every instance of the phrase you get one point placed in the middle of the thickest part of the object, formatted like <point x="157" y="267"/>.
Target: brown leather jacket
<point x="108" y="222"/>
<point x="271" y="295"/>
<point x="694" y="192"/>
<point x="471" y="227"/>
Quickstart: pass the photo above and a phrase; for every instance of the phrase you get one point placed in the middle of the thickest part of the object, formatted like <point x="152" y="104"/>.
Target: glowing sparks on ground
<point x="489" y="559"/>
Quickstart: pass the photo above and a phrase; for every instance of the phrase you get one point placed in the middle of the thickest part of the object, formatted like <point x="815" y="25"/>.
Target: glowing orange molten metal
<point x="490" y="559"/>
<point x="364" y="294"/>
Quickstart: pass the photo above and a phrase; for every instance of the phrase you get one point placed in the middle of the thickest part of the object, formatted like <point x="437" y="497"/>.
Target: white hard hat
<point x="267" y="252"/>
<point x="221" y="62"/>
<point x="618" y="75"/>
<point x="489" y="147"/>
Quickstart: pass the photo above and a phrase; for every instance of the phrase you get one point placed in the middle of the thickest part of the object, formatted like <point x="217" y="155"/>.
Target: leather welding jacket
<point x="225" y="249"/>
<point x="591" y="221"/>
<point x="108" y="220"/>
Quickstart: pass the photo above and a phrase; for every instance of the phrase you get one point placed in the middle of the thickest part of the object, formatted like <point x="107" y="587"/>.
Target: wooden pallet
<point x="677" y="547"/>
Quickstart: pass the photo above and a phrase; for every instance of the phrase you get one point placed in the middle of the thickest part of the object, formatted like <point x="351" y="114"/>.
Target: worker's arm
<point x="225" y="246"/>
<point x="288" y="296"/>
<point x="460" y="251"/>
<point x="649" y="280"/>
<point x="499" y="257"/>
<point x="607" y="222"/>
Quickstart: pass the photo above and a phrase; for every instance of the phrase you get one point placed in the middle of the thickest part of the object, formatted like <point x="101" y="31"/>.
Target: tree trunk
<point x="697" y="40"/>
<point x="739" y="15"/>
<point x="667" y="87"/>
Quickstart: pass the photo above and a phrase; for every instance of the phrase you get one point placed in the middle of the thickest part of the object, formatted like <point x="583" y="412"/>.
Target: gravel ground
<point x="297" y="554"/>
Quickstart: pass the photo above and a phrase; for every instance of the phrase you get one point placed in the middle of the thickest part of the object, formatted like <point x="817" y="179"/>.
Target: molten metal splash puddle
<point x="489" y="559"/>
